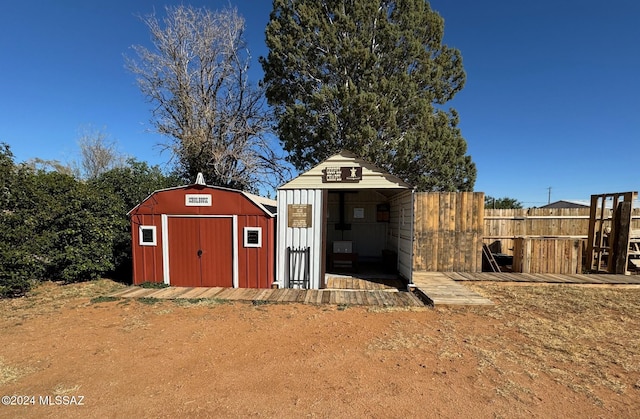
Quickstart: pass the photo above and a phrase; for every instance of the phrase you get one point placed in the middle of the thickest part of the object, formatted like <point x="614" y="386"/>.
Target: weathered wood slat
<point x="548" y="255"/>
<point x="252" y="293"/>
<point x="403" y="296"/>
<point x="351" y="297"/>
<point x="169" y="292"/>
<point x="347" y="295"/>
<point x="442" y="290"/>
<point x="194" y="293"/>
<point x="504" y="225"/>
<point x="448" y="229"/>
<point x="261" y="294"/>
<point x="275" y="294"/>
<point x="294" y="296"/>
<point x="358" y="297"/>
<point x="550" y="278"/>
<point x="286" y="295"/>
<point x="224" y="293"/>
<point x="244" y="294"/>
<point x="386" y="300"/>
<point x="310" y="297"/>
<point x="212" y="292"/>
<point x="134" y="292"/>
<point x="367" y="298"/>
<point x="125" y="291"/>
<point x="230" y="294"/>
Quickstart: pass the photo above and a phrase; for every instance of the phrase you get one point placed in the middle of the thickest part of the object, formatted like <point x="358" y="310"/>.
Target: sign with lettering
<point x="299" y="215"/>
<point x="342" y="174"/>
<point x="197" y="200"/>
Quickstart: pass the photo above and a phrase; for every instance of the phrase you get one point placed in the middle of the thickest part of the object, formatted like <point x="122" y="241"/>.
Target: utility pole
<point x="549" y="198"/>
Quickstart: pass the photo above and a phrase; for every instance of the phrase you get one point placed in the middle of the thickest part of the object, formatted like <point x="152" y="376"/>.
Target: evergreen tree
<point x="501" y="203"/>
<point x="370" y="77"/>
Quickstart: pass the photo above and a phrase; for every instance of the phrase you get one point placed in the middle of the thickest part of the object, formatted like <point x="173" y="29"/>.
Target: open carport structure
<point x="339" y="216"/>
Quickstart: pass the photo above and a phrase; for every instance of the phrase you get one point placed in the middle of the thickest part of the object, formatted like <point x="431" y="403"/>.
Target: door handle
<point x="199" y="252"/>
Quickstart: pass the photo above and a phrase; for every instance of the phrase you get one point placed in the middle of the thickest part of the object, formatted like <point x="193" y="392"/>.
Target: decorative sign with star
<point x="351" y="174"/>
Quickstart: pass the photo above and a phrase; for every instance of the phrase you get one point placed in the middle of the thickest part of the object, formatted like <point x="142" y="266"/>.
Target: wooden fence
<point x="548" y="255"/>
<point x="451" y="227"/>
<point x="448" y="230"/>
<point x="504" y="225"/>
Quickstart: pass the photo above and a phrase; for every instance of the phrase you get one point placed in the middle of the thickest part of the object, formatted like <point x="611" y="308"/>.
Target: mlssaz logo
<point x="62" y="400"/>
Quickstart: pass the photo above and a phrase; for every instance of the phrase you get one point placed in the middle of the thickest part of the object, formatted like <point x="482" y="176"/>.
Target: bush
<point x="130" y="185"/>
<point x="17" y="264"/>
<point x="14" y="286"/>
<point x="16" y="270"/>
<point x="54" y="227"/>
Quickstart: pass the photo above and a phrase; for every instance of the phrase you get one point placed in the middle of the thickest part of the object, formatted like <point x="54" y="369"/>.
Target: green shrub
<point x="55" y="227"/>
<point x="103" y="299"/>
<point x="153" y="285"/>
<point x="14" y="286"/>
<point x="148" y="300"/>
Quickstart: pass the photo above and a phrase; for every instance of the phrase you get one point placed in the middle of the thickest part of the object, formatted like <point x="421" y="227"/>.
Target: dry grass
<point x="399" y="340"/>
<point x="584" y="338"/>
<point x="63" y="390"/>
<point x="10" y="373"/>
<point x="50" y="297"/>
<point x="199" y="302"/>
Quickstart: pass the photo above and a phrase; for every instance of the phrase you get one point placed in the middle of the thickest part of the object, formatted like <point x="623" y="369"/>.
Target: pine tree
<point x="370" y="77"/>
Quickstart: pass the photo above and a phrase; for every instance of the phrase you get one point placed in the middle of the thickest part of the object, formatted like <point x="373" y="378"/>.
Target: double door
<point x="201" y="251"/>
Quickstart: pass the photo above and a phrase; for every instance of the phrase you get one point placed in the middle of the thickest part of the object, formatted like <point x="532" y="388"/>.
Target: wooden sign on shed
<point x="299" y="215"/>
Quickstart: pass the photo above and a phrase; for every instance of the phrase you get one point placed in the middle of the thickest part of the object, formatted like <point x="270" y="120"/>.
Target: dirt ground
<point x="542" y="351"/>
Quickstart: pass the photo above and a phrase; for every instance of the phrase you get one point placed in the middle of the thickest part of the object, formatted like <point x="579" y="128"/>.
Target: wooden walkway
<point x="434" y="288"/>
<point x="376" y="297"/>
<point x="602" y="279"/>
<point x="440" y="290"/>
<point x="342" y="282"/>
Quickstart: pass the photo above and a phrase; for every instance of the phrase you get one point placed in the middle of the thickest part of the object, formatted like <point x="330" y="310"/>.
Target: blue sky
<point x="551" y="99"/>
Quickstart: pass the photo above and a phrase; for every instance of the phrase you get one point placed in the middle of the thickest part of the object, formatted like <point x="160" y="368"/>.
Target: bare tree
<point x="46" y="165"/>
<point x="98" y="153"/>
<point x="196" y="75"/>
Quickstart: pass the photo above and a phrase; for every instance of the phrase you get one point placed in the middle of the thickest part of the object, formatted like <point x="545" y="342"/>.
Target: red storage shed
<point x="204" y="236"/>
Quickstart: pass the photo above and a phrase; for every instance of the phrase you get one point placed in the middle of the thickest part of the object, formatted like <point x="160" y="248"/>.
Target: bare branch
<point x="98" y="153"/>
<point x="218" y="122"/>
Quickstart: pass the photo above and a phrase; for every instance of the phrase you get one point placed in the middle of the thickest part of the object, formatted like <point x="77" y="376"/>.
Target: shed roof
<point x="372" y="176"/>
<point x="269" y="206"/>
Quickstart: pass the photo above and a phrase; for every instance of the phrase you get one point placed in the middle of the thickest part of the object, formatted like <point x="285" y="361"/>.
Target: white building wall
<point x="401" y="232"/>
<point x="295" y="237"/>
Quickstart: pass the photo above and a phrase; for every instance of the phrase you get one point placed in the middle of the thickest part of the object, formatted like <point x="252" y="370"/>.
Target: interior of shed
<point x="358" y="233"/>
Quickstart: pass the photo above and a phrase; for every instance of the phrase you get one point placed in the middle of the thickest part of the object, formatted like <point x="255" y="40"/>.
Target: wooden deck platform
<point x="436" y="288"/>
<point x="375" y="297"/>
<point x="593" y="279"/>
<point x="440" y="290"/>
<point x="342" y="282"/>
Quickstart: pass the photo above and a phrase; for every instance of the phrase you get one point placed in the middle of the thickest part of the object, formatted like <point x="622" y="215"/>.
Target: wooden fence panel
<point x="448" y="231"/>
<point x="548" y="255"/>
<point x="502" y="226"/>
<point x="450" y="228"/>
